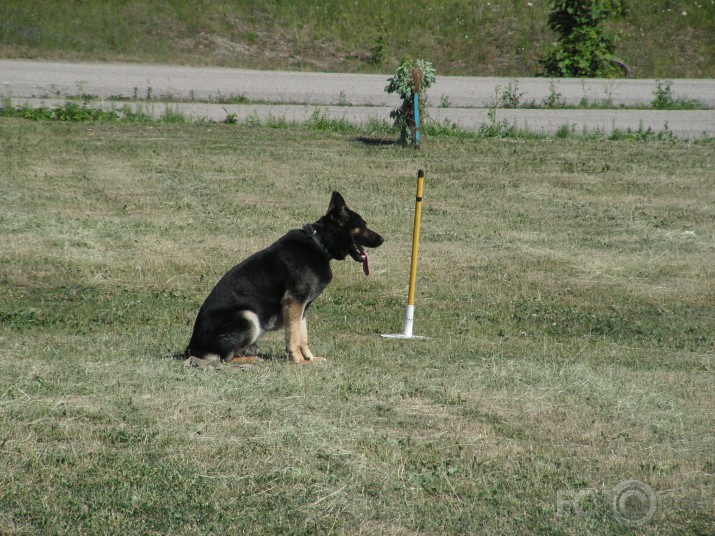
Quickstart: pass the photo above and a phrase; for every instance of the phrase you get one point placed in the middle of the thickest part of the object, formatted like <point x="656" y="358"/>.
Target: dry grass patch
<point x="566" y="287"/>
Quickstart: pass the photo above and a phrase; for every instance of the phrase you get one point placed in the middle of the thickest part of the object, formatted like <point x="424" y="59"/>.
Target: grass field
<point x="658" y="39"/>
<point x="567" y="287"/>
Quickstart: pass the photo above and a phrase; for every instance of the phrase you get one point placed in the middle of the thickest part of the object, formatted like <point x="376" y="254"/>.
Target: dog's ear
<point x="337" y="208"/>
<point x="336" y="202"/>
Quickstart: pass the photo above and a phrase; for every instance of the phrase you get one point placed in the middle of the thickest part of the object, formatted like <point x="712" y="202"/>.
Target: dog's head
<point x="349" y="232"/>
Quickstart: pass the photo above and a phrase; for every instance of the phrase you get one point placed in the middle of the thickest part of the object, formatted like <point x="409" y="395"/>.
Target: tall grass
<point x="474" y="38"/>
<point x="566" y="287"/>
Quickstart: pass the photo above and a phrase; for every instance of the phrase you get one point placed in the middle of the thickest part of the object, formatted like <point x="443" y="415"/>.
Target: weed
<point x="343" y="100"/>
<point x="554" y="99"/>
<point x="496" y="128"/>
<point x="664" y="99"/>
<point x="375" y="126"/>
<point x="445" y="128"/>
<point x="231" y="118"/>
<point x="67" y="112"/>
<point x="510" y="97"/>
<point x="135" y="114"/>
<point x="663" y="96"/>
<point x="170" y="98"/>
<point x="643" y="134"/>
<point x="565" y="131"/>
<point x="319" y="120"/>
<point x="253" y="121"/>
<point x="173" y="115"/>
<point x="225" y="99"/>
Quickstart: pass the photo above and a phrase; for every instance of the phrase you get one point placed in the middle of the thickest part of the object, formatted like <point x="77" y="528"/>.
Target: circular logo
<point x="634" y="503"/>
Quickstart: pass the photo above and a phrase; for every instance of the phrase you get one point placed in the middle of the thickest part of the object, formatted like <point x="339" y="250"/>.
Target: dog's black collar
<point x="312" y="232"/>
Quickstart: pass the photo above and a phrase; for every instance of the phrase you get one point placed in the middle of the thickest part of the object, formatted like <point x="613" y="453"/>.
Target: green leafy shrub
<point x="412" y="77"/>
<point x="585" y="47"/>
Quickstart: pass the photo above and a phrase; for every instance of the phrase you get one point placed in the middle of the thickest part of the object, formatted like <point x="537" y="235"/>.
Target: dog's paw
<point x="311" y="361"/>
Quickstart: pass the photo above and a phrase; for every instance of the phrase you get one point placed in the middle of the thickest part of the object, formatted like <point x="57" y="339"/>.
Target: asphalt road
<point x="355" y="97"/>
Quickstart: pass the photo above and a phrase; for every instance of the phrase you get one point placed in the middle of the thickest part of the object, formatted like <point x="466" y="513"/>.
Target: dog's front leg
<point x="304" y="339"/>
<point x="304" y="343"/>
<point x="292" y="319"/>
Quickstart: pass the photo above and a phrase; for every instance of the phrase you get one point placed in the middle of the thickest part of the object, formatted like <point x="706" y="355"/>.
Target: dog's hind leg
<point x="240" y="342"/>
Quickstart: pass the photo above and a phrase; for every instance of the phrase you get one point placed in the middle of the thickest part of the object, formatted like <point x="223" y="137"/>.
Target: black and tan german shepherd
<point x="274" y="287"/>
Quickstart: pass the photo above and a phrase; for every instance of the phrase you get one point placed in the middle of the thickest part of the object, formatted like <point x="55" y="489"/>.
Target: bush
<point x="412" y="77"/>
<point x="585" y="47"/>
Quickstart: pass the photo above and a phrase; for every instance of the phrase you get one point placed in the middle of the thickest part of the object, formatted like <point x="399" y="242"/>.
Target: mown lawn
<point x="567" y="287"/>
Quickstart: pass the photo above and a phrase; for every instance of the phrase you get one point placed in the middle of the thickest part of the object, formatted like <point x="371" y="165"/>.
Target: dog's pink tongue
<point x="366" y="263"/>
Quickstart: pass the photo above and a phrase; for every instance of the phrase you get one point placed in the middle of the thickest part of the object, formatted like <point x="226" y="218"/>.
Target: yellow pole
<point x="416" y="237"/>
<point x="410" y="312"/>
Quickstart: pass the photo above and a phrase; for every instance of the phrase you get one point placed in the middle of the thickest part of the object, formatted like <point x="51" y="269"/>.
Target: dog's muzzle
<point x="360" y="254"/>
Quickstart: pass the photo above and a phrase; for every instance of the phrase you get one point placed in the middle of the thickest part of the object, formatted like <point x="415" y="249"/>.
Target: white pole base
<point x="409" y="322"/>
<point x="402" y="336"/>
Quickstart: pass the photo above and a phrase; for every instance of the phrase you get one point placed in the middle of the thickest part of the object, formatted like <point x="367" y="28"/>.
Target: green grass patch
<point x="565" y="285"/>
<point x="481" y="37"/>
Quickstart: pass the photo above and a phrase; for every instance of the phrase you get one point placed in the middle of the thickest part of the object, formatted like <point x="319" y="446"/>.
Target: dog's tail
<point x="246" y="360"/>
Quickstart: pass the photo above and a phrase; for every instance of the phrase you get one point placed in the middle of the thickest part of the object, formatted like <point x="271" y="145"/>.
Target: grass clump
<point x="319" y="120"/>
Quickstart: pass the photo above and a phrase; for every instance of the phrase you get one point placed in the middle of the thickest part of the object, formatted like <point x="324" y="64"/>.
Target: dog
<point x="275" y="286"/>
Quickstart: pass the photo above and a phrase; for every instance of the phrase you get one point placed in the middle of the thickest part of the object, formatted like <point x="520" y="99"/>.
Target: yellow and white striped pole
<point x="410" y="312"/>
